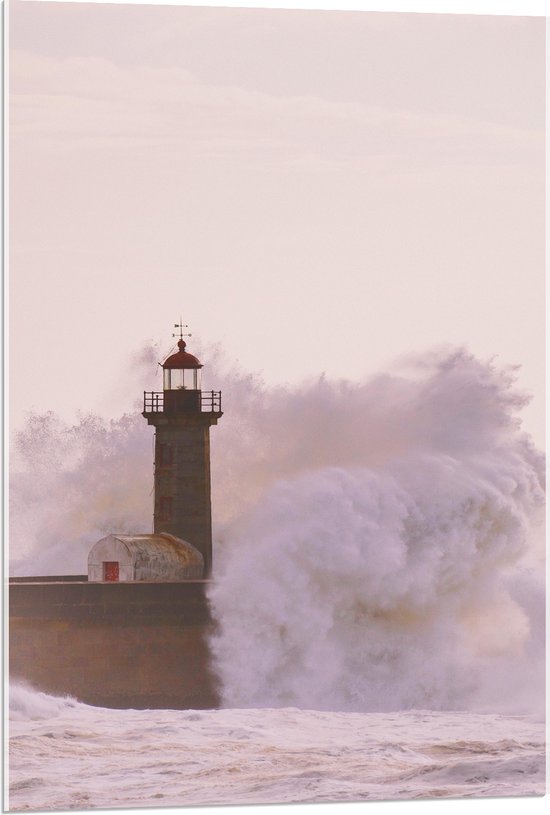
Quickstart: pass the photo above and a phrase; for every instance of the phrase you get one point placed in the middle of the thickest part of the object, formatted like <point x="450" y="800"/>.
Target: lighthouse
<point x="182" y="414"/>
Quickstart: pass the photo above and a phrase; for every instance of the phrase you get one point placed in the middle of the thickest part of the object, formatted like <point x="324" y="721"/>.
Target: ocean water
<point x="67" y="755"/>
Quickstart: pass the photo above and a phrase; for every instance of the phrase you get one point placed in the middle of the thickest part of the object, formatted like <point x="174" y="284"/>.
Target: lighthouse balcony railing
<point x="210" y="401"/>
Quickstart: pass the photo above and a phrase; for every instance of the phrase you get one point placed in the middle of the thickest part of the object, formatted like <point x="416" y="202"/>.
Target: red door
<point x="110" y="571"/>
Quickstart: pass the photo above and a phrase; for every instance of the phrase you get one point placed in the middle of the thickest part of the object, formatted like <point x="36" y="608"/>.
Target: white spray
<point x="392" y="547"/>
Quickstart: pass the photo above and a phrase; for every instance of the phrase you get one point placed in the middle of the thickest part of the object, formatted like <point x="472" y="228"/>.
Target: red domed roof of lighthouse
<point x="181" y="359"/>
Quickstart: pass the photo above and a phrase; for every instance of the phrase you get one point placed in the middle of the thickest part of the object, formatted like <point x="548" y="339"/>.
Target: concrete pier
<point x="118" y="645"/>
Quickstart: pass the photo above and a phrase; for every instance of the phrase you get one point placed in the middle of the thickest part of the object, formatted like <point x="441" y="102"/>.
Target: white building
<point x="156" y="557"/>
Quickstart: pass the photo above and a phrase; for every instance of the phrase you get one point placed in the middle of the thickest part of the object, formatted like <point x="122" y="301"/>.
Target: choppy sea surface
<point x="67" y="755"/>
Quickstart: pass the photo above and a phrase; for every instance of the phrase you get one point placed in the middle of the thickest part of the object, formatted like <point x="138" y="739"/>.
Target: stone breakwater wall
<point x="118" y="645"/>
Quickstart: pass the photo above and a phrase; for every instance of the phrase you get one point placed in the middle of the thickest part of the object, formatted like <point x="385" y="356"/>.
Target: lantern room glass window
<point x="182" y="379"/>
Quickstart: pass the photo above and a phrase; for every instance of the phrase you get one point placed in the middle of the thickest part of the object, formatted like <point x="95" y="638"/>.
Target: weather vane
<point x="181" y="325"/>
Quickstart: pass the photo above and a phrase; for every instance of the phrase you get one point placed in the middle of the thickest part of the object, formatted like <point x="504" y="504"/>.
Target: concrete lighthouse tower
<point x="182" y="415"/>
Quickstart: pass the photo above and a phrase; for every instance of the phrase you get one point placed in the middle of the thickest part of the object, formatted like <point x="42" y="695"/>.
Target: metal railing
<point x="210" y="401"/>
<point x="153" y="402"/>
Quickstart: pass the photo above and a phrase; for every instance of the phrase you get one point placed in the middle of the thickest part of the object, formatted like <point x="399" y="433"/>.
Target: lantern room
<point x="182" y="371"/>
<point x="182" y="381"/>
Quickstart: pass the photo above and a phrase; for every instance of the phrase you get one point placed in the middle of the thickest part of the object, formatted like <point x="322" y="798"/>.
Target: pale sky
<point x="316" y="191"/>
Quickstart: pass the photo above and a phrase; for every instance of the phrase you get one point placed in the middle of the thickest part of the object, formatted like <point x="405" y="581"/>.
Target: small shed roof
<point x="171" y="547"/>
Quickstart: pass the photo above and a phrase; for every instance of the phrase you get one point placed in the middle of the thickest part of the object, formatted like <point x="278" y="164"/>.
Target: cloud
<point x="94" y="104"/>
